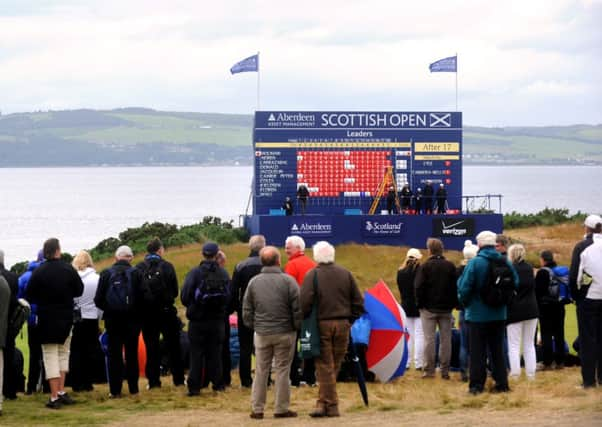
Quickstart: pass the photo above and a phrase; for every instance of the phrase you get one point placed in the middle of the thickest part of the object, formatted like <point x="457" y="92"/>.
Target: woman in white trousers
<point x="522" y="316"/>
<point x="405" y="283"/>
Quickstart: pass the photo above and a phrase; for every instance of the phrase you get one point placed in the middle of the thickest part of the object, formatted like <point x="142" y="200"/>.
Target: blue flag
<point x="445" y="65"/>
<point x="248" y="64"/>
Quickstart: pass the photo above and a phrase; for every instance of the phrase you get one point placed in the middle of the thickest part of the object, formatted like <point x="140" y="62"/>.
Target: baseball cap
<point x="414" y="253"/>
<point x="592" y="221"/>
<point x="210" y="249"/>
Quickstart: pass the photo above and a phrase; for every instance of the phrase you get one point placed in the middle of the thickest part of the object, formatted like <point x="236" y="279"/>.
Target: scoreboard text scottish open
<point x="342" y="156"/>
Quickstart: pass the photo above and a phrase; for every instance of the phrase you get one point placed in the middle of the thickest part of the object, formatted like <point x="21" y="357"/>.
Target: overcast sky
<point x="519" y="62"/>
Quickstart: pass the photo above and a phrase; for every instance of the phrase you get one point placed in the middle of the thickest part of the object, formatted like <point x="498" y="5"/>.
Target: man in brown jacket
<point x="340" y="301"/>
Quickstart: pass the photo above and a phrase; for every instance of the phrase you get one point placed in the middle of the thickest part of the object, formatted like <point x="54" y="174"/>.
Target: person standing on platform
<point x="302" y="196"/>
<point x="406" y="199"/>
<point x="243" y="273"/>
<point x="441" y="199"/>
<point x="271" y="309"/>
<point x="427" y="198"/>
<point x="391" y="200"/>
<point x="118" y="296"/>
<point x="288" y="206"/>
<point x="340" y="303"/>
<point x="53" y="286"/>
<point x="418" y="200"/>
<point x="297" y="266"/>
<point x="159" y="286"/>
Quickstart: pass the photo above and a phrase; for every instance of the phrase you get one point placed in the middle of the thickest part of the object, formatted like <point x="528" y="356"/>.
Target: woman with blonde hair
<point x="405" y="283"/>
<point x="84" y="343"/>
<point x="522" y="315"/>
<point x="470" y="251"/>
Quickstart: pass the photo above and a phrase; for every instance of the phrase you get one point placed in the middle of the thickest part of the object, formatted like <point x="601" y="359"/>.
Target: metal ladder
<point x="388" y="179"/>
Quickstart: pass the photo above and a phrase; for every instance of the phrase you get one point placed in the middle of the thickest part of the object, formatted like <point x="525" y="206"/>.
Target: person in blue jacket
<point x="487" y="323"/>
<point x="36" y="377"/>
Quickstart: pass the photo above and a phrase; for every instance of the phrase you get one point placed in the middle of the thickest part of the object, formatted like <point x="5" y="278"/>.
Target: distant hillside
<point x="140" y="136"/>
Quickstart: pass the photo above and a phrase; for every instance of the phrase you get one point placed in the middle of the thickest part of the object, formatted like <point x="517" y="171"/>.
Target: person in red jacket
<point x="297" y="266"/>
<point x="298" y="263"/>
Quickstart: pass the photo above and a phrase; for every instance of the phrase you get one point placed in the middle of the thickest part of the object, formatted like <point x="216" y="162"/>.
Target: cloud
<point x="335" y="54"/>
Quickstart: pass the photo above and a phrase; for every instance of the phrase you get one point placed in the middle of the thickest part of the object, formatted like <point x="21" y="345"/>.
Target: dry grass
<point x="552" y="399"/>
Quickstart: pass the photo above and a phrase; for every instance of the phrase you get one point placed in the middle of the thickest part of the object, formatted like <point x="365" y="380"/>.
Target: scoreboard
<point x="341" y="157"/>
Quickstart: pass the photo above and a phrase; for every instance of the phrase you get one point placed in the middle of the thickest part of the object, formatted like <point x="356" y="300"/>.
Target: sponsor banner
<point x="357" y="120"/>
<point x="453" y="227"/>
<point x="311" y="227"/>
<point x="384" y="227"/>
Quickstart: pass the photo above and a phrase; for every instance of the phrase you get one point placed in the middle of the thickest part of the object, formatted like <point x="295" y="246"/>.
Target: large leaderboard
<point x="341" y="157"/>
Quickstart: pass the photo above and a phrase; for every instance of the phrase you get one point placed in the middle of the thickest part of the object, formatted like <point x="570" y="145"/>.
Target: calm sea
<point x="82" y="206"/>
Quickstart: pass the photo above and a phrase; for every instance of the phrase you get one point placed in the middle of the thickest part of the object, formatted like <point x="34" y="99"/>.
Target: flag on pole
<point x="445" y="65"/>
<point x="248" y="64"/>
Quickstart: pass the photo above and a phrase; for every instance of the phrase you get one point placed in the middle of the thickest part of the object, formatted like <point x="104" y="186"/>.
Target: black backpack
<point x="499" y="288"/>
<point x="17" y="318"/>
<point x="152" y="283"/>
<point x="213" y="288"/>
<point x="120" y="296"/>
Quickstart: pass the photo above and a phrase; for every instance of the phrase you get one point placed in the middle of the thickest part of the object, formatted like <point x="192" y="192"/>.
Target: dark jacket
<point x="405" y="283"/>
<point x="542" y="284"/>
<point x="170" y="280"/>
<point x="52" y="286"/>
<point x="197" y="311"/>
<point x="428" y="191"/>
<point x="339" y="296"/>
<point x="100" y="299"/>
<point x="578" y="294"/>
<point x="406" y="197"/>
<point x="435" y="285"/>
<point x="242" y="275"/>
<point x="524" y="303"/>
<point x="13" y="283"/>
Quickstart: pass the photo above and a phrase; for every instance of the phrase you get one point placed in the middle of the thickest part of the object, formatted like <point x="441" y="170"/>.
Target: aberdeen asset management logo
<point x="453" y="227"/>
<point x="311" y="228"/>
<point x="291" y="120"/>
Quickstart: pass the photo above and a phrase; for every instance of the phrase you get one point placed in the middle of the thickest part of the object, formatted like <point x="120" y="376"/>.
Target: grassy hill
<point x="147" y="137"/>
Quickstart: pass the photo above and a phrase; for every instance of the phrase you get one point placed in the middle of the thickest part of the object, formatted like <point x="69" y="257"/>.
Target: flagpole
<point x="456" y="81"/>
<point x="258" y="80"/>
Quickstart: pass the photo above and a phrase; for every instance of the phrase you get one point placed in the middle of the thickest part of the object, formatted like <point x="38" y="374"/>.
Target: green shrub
<point x="548" y="216"/>
<point x="19" y="268"/>
<point x="210" y="228"/>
